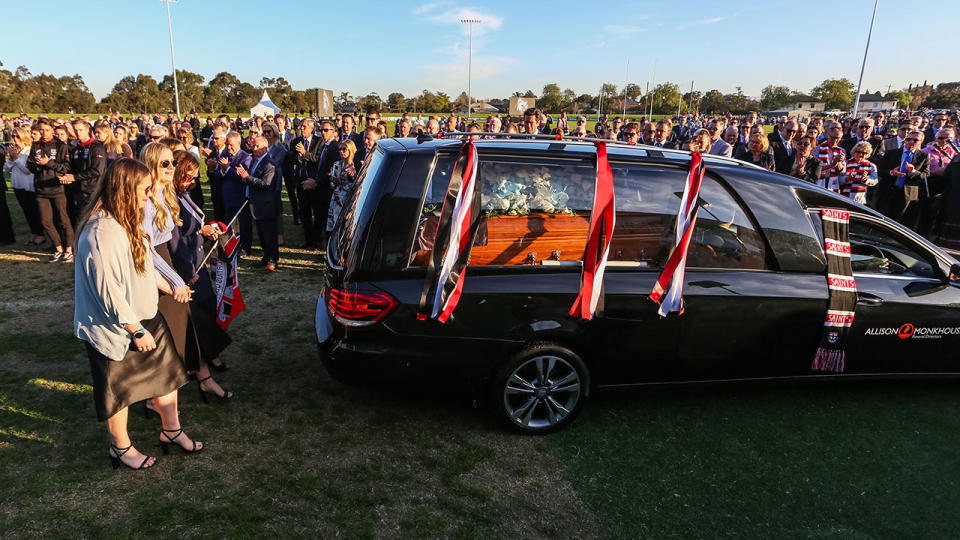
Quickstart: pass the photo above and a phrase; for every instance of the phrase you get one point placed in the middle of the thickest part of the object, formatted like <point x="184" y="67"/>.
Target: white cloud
<point x="622" y="30"/>
<point x="488" y="22"/>
<point x="427" y="7"/>
<point x="711" y="20"/>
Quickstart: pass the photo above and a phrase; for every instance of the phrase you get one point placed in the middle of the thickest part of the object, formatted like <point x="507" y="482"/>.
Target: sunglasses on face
<point x="166" y="164"/>
<point x="154" y="137"/>
<point x="326" y="130"/>
<point x="911" y="139"/>
<point x="371" y="119"/>
<point x="788" y="130"/>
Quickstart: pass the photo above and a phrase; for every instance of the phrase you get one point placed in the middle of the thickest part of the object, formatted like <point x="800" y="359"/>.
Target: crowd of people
<point x="121" y="199"/>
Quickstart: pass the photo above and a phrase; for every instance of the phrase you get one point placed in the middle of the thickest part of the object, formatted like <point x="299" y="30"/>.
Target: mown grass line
<point x="790" y="461"/>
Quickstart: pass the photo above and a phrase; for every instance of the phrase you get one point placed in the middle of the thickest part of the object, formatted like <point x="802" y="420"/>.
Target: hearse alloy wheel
<point x="541" y="390"/>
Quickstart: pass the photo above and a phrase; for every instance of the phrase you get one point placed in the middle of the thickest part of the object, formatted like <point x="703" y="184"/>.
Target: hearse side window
<point x="877" y="250"/>
<point x="533" y="210"/>
<point x="537" y="211"/>
<point x="351" y="215"/>
<point x="648" y="198"/>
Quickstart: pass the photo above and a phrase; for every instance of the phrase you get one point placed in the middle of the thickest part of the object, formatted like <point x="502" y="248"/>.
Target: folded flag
<point x="226" y="285"/>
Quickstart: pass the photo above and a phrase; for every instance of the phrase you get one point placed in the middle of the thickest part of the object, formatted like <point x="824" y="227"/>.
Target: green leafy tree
<point x="190" y="87"/>
<point x="774" y="97"/>
<point x="835" y="93"/>
<point x="713" y="102"/>
<point x="944" y="96"/>
<point x="395" y="102"/>
<point x="633" y="91"/>
<point x="551" y="99"/>
<point x="903" y="97"/>
<point x="666" y="97"/>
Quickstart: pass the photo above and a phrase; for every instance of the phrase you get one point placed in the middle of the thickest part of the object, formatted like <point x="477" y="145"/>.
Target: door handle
<point x="868" y="299"/>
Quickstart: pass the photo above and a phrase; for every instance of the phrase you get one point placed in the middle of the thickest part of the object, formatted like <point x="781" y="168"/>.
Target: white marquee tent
<point x="265" y="107"/>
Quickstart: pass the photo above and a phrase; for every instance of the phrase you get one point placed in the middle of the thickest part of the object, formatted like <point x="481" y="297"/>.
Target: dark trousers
<point x="907" y="206"/>
<point x="314" y="204"/>
<point x="28" y="203"/>
<point x="216" y="196"/>
<point x="291" y="183"/>
<point x="6" y="223"/>
<point x="52" y="208"/>
<point x="932" y="206"/>
<point x="74" y="203"/>
<point x="267" y="230"/>
<point x="244" y="226"/>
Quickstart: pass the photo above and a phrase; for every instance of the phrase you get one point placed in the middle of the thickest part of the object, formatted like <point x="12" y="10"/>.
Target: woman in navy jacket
<point x="187" y="253"/>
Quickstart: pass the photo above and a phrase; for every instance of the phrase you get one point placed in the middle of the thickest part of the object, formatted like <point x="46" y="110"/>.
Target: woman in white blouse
<point x="131" y="352"/>
<point x="21" y="180"/>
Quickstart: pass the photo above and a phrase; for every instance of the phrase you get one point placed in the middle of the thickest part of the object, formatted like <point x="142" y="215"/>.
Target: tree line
<point x="21" y="90"/>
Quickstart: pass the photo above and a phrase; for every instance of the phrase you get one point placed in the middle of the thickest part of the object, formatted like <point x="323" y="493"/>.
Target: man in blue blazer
<point x="233" y="189"/>
<point x="263" y="196"/>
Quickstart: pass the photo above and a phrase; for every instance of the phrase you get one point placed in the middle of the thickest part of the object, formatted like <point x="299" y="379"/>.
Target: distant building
<point x="871" y="103"/>
<point x="801" y="106"/>
<point x="484" y="107"/>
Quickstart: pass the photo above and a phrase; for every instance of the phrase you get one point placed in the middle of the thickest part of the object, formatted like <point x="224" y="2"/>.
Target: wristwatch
<point x="139" y="333"/>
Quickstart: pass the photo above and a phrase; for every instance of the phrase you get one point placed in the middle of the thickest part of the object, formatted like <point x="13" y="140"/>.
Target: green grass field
<point x="297" y="454"/>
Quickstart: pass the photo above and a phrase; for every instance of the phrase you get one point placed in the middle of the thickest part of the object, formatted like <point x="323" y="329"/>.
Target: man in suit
<point x="718" y="147"/>
<point x="348" y="133"/>
<point x="781" y="144"/>
<point x="646" y="133"/>
<point x="662" y="134"/>
<point x="894" y="143"/>
<point x="301" y="162"/>
<point x="234" y="190"/>
<point x="285" y="138"/>
<point x="938" y="123"/>
<point x="370" y="137"/>
<point x="879" y="125"/>
<point x="904" y="201"/>
<point x="863" y="133"/>
<point x="263" y="196"/>
<point x="218" y="145"/>
<point x="315" y="187"/>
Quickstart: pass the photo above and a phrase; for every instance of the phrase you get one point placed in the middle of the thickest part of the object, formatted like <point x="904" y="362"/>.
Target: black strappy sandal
<point x="203" y="393"/>
<point x="166" y="445"/>
<point x="117" y="453"/>
<point x="221" y="367"/>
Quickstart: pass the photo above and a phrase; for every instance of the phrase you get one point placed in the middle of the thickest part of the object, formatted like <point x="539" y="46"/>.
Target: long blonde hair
<point x="150" y="155"/>
<point x="117" y="197"/>
<point x="110" y="142"/>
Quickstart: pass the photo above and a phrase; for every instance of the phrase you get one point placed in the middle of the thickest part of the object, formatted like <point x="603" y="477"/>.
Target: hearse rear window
<point x="537" y="212"/>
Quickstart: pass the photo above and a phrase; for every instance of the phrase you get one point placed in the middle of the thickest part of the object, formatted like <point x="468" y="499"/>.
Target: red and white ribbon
<point x="602" y="221"/>
<point x="668" y="291"/>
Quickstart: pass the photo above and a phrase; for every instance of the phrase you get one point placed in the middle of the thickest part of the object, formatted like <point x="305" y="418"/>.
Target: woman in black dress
<point x="802" y="164"/>
<point x="758" y="152"/>
<point x="131" y="351"/>
<point x="186" y="247"/>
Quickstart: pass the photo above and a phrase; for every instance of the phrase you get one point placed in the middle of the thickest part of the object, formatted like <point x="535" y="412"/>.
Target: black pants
<point x="6" y="224"/>
<point x="28" y="203"/>
<point x="267" y="230"/>
<point x="74" y="201"/>
<point x="243" y="225"/>
<point x="216" y="196"/>
<point x="291" y="183"/>
<point x="314" y="204"/>
<point x="55" y="208"/>
<point x="196" y="194"/>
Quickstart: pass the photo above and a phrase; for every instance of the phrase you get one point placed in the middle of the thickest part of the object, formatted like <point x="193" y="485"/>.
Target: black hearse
<point x="755" y="287"/>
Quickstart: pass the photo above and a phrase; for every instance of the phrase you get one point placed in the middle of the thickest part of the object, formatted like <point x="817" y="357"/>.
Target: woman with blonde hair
<point x="758" y="153"/>
<point x="859" y="173"/>
<point x="342" y="175"/>
<point x="21" y="180"/>
<point x="160" y="217"/>
<point x="115" y="140"/>
<point x="128" y="343"/>
<point x="187" y="252"/>
<point x="700" y="142"/>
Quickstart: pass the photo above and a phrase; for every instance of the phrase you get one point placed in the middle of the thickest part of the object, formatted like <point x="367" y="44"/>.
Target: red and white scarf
<point x="456" y="228"/>
<point x="602" y="221"/>
<point x="828" y="155"/>
<point x="856" y="176"/>
<point x="831" y="355"/>
<point x="668" y="291"/>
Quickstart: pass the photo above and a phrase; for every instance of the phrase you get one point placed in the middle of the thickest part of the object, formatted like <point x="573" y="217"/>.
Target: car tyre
<point x="541" y="389"/>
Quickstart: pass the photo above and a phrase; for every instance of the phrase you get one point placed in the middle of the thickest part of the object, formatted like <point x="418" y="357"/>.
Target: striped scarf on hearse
<point x="842" y="288"/>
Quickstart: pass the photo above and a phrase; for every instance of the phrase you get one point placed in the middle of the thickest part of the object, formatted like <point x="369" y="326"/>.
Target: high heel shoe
<point x="203" y="393"/>
<point x="117" y="453"/>
<point x="165" y="445"/>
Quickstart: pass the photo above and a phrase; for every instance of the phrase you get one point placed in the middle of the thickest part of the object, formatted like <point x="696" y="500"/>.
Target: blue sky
<point x="371" y="46"/>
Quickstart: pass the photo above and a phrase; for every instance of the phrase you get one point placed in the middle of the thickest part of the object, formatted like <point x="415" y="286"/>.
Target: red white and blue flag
<point x="602" y="221"/>
<point x="227" y="287"/>
<point x="668" y="291"/>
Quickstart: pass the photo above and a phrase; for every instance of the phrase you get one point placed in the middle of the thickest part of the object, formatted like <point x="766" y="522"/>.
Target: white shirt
<point x="108" y="291"/>
<point x="20" y="175"/>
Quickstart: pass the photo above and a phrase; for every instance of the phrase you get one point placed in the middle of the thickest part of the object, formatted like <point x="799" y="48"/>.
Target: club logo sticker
<point x="905" y="331"/>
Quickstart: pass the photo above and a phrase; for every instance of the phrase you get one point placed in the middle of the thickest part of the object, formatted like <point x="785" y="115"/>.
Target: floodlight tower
<point x="470" y="23"/>
<point x="173" y="59"/>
